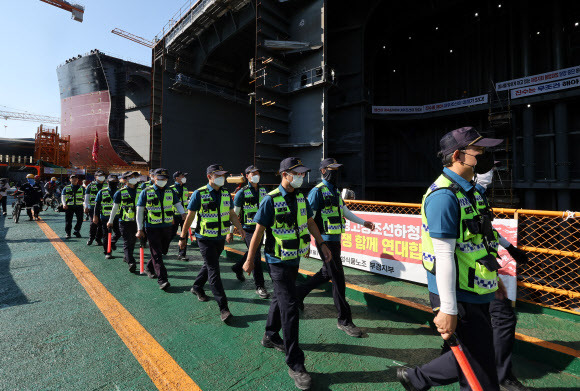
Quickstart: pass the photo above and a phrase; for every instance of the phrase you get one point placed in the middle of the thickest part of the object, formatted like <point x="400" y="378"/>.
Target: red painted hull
<point x="83" y="116"/>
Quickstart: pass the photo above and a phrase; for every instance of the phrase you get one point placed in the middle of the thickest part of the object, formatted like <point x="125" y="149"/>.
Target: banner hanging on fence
<point x="394" y="247"/>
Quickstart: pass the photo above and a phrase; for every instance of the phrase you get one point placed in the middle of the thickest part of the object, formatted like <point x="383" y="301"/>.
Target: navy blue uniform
<point x="249" y="230"/>
<point x="211" y="249"/>
<point x="330" y="270"/>
<point x="283" y="313"/>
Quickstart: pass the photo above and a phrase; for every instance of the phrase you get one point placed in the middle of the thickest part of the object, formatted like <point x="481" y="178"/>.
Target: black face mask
<point x="113" y="185"/>
<point x="331" y="176"/>
<point x="484" y="163"/>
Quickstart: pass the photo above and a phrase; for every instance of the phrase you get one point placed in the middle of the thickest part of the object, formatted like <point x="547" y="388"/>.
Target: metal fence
<point x="552" y="240"/>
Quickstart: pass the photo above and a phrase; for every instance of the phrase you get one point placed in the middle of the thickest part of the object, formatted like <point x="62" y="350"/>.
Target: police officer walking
<point x="460" y="255"/>
<point x="95" y="230"/>
<point x="103" y="214"/>
<point x="72" y="199"/>
<point x="179" y="186"/>
<point x="287" y="216"/>
<point x="125" y="202"/>
<point x="329" y="214"/>
<point x="155" y="210"/>
<point x="246" y="203"/>
<point x="213" y="204"/>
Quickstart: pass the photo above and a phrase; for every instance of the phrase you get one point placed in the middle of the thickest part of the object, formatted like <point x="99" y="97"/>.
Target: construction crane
<point x="133" y="37"/>
<point x="29" y="117"/>
<point x="76" y="10"/>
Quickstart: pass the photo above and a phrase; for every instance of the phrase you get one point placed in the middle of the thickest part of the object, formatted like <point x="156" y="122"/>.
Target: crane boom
<point x="76" y="10"/>
<point x="29" y="117"/>
<point x="133" y="37"/>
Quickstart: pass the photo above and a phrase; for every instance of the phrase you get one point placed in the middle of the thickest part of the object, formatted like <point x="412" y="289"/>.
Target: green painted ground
<point x="54" y="337"/>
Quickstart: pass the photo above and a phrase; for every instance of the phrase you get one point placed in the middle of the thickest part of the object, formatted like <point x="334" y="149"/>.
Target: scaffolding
<point x="50" y="147"/>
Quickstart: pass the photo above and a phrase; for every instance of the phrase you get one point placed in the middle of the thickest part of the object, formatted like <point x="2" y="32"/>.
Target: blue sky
<point x="37" y="37"/>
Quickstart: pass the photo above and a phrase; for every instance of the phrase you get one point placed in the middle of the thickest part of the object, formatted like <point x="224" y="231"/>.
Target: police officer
<point x="103" y="214"/>
<point x="179" y="186"/>
<point x="125" y="202"/>
<point x="32" y="195"/>
<point x="460" y="255"/>
<point x="155" y="210"/>
<point x="95" y="230"/>
<point x="72" y="199"/>
<point x="246" y="203"/>
<point x="148" y="183"/>
<point x="213" y="204"/>
<point x="287" y="217"/>
<point x="329" y="214"/>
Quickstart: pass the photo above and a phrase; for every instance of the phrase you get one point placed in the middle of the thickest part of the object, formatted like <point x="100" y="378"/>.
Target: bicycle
<point x="51" y="202"/>
<point x="17" y="206"/>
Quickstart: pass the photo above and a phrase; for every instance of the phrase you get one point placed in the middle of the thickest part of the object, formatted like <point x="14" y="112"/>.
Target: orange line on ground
<point x="163" y="370"/>
<point x="521" y="337"/>
<point x="548" y="345"/>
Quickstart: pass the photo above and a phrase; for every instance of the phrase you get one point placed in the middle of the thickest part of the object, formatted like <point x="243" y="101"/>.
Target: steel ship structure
<point x="108" y="96"/>
<point x="374" y="85"/>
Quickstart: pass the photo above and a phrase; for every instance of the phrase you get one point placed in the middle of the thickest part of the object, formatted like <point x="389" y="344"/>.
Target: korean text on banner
<point x="394" y="248"/>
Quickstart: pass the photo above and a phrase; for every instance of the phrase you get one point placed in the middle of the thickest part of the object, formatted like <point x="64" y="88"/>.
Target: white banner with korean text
<point x="537" y="79"/>
<point x="452" y="104"/>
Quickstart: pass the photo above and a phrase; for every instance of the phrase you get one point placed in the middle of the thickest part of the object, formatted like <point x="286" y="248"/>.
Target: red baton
<point x="457" y="350"/>
<point x="109" y="243"/>
<point x="142" y="257"/>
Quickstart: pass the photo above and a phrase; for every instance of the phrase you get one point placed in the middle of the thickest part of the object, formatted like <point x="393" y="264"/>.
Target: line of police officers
<point x="456" y="233"/>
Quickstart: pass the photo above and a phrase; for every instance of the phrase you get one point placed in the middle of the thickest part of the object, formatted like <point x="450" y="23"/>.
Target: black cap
<point x="330" y="163"/>
<point x="161" y="172"/>
<point x="99" y="172"/>
<point x="179" y="173"/>
<point x="293" y="164"/>
<point x="73" y="176"/>
<point x="465" y="137"/>
<point x="112" y="177"/>
<point x="216" y="169"/>
<point x="128" y="174"/>
<point x="250" y="169"/>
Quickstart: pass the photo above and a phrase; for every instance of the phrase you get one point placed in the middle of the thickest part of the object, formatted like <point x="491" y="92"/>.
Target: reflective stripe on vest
<point x="214" y="220"/>
<point x="331" y="215"/>
<point x="250" y="207"/>
<point x="290" y="232"/>
<point x="92" y="190"/>
<point x="71" y="199"/>
<point x="159" y="212"/>
<point x="184" y="195"/>
<point x="106" y="203"/>
<point x="127" y="206"/>
<point x="472" y="276"/>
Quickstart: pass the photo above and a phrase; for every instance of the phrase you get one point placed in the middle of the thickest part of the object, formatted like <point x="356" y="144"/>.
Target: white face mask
<point x="133" y="181"/>
<point x="219" y="181"/>
<point x="296" y="181"/>
<point x="161" y="183"/>
<point x="101" y="178"/>
<point x="183" y="180"/>
<point x="255" y="179"/>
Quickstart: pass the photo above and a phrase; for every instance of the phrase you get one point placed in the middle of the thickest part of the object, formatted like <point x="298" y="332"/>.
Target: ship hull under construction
<point x="108" y="98"/>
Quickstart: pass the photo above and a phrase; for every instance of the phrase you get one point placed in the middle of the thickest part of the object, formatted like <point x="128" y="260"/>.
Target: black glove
<point x="520" y="256"/>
